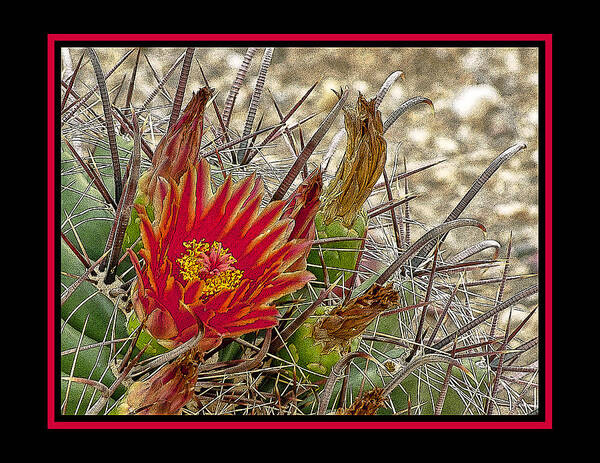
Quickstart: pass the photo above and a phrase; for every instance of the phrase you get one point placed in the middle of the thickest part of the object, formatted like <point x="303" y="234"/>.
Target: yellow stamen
<point x="194" y="263"/>
<point x="230" y="279"/>
<point x="190" y="266"/>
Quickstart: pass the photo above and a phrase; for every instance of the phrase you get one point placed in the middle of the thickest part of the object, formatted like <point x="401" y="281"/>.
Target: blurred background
<point x="486" y="99"/>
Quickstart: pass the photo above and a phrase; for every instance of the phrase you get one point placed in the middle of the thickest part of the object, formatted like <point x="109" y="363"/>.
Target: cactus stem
<point x="89" y="382"/>
<point x="445" y="311"/>
<point x="381" y="208"/>
<point x="309" y="148"/>
<point x="238" y="140"/>
<point x="336" y="239"/>
<point x="132" y="80"/>
<point x="502" y="283"/>
<point x="418" y="362"/>
<point x="254" y="361"/>
<point x="164" y="80"/>
<point x="93" y="175"/>
<point x="179" y="93"/>
<point x="88" y="272"/>
<point x="469" y="195"/>
<point x="77" y="103"/>
<point x="469" y="326"/>
<point x="426" y="238"/>
<point x="170" y="355"/>
<point x="108" y="121"/>
<point x="138" y="332"/>
<point x="439" y="405"/>
<point x="216" y="108"/>
<point x="324" y="266"/>
<point x="254" y="100"/>
<point x="397" y="233"/>
<point x="64" y="408"/>
<point x="83" y="259"/>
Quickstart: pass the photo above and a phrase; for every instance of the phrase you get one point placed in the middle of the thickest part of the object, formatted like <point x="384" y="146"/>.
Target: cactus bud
<point x="342" y="213"/>
<point x="175" y="152"/>
<point x="165" y="392"/>
<point x="362" y="165"/>
<point x="320" y="342"/>
<point x="302" y="207"/>
<point x="179" y="147"/>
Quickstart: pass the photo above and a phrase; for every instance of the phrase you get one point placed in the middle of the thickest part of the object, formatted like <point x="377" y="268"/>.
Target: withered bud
<point x="367" y="404"/>
<point x="361" y="166"/>
<point x="166" y="391"/>
<point x="343" y="323"/>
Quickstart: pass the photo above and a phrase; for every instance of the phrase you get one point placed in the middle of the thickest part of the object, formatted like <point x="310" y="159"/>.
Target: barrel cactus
<point x="202" y="274"/>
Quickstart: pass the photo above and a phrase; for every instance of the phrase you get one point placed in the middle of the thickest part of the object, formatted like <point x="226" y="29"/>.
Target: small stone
<point x="475" y="101"/>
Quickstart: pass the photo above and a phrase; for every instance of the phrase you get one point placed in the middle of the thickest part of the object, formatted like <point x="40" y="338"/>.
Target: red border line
<point x="51" y="235"/>
<point x="52" y="424"/>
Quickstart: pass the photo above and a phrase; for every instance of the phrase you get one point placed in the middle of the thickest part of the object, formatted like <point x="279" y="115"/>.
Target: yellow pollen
<point x="230" y="279"/>
<point x="212" y="264"/>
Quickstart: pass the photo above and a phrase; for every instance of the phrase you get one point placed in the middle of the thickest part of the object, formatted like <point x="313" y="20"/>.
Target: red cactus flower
<point x="216" y="259"/>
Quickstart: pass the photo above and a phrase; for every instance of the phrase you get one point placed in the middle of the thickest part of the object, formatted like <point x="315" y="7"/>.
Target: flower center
<point x="212" y="264"/>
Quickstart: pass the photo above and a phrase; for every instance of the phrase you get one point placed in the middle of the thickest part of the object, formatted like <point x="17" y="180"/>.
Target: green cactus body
<point x="132" y="232"/>
<point x="338" y="256"/>
<point x="307" y="352"/>
<point x="423" y="390"/>
<point x="87" y="316"/>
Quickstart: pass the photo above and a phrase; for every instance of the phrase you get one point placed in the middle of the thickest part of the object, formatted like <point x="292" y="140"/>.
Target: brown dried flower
<point x="362" y="165"/>
<point x="345" y="322"/>
<point x="367" y="404"/>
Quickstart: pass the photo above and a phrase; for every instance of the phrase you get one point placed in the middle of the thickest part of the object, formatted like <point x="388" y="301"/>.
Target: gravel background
<point x="486" y="99"/>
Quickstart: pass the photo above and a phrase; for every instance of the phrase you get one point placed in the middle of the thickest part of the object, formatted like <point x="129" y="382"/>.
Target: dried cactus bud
<point x="362" y="164"/>
<point x="165" y="392"/>
<point x="320" y="342"/>
<point x="346" y="322"/>
<point x="367" y="404"/>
